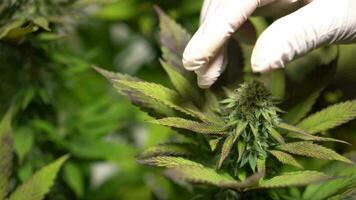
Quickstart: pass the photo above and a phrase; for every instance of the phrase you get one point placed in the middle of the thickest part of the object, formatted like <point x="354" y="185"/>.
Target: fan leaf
<point x="169" y="162"/>
<point x="198" y="174"/>
<point x="312" y="150"/>
<point x="296" y="132"/>
<point x="39" y="184"/>
<point x="173" y="40"/>
<point x="199" y="127"/>
<point x="298" y="178"/>
<point x="143" y="101"/>
<point x="329" y="118"/>
<point x="159" y="93"/>
<point x="167" y="150"/>
<point x="286" y="158"/>
<point x="183" y="86"/>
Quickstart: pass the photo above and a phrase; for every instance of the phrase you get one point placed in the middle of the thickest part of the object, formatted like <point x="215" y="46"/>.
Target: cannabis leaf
<point x="285" y="158"/>
<point x="39" y="184"/>
<point x="199" y="127"/>
<point x="312" y="150"/>
<point x="159" y="93"/>
<point x="143" y="101"/>
<point x="230" y="141"/>
<point x="329" y="117"/>
<point x="169" y="149"/>
<point x="296" y="132"/>
<point x="297" y="178"/>
<point x="169" y="161"/>
<point x="198" y="174"/>
<point x="183" y="86"/>
<point x="173" y="40"/>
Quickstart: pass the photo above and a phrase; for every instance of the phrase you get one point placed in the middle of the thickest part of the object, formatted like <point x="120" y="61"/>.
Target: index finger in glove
<point x="216" y="30"/>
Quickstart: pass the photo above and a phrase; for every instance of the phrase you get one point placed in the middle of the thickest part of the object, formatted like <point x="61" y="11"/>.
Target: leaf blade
<point x="298" y="178"/>
<point x="330" y="117"/>
<point x="199" y="127"/>
<point x="312" y="150"/>
<point x="5" y="154"/>
<point x="230" y="141"/>
<point x="285" y="158"/>
<point x="39" y="184"/>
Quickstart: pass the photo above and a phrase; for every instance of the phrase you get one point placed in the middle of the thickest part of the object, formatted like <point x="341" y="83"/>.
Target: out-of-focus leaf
<point x="39" y="183"/>
<point x="73" y="176"/>
<point x="336" y="187"/>
<point x="120" y="10"/>
<point x="277" y="83"/>
<point x="310" y="74"/>
<point x="98" y="149"/>
<point x="42" y="22"/>
<point x="173" y="39"/>
<point x="23" y="142"/>
<point x="301" y="109"/>
<point x="5" y="154"/>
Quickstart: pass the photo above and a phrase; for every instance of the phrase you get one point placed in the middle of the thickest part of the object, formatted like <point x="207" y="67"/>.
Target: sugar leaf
<point x="230" y="141"/>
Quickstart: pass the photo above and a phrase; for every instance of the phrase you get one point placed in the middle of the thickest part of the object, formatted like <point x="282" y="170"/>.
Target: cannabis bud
<point x="251" y="115"/>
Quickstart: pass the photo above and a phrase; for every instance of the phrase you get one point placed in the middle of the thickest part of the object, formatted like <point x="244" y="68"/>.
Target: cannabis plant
<point x="232" y="142"/>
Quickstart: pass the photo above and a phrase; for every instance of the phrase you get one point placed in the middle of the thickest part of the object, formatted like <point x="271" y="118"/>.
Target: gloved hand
<point x="311" y="24"/>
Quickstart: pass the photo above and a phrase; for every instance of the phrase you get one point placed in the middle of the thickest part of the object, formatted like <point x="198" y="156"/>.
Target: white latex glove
<point x="313" y="23"/>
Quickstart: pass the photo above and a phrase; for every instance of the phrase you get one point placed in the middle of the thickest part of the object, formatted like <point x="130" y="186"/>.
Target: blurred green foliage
<point x="47" y="48"/>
